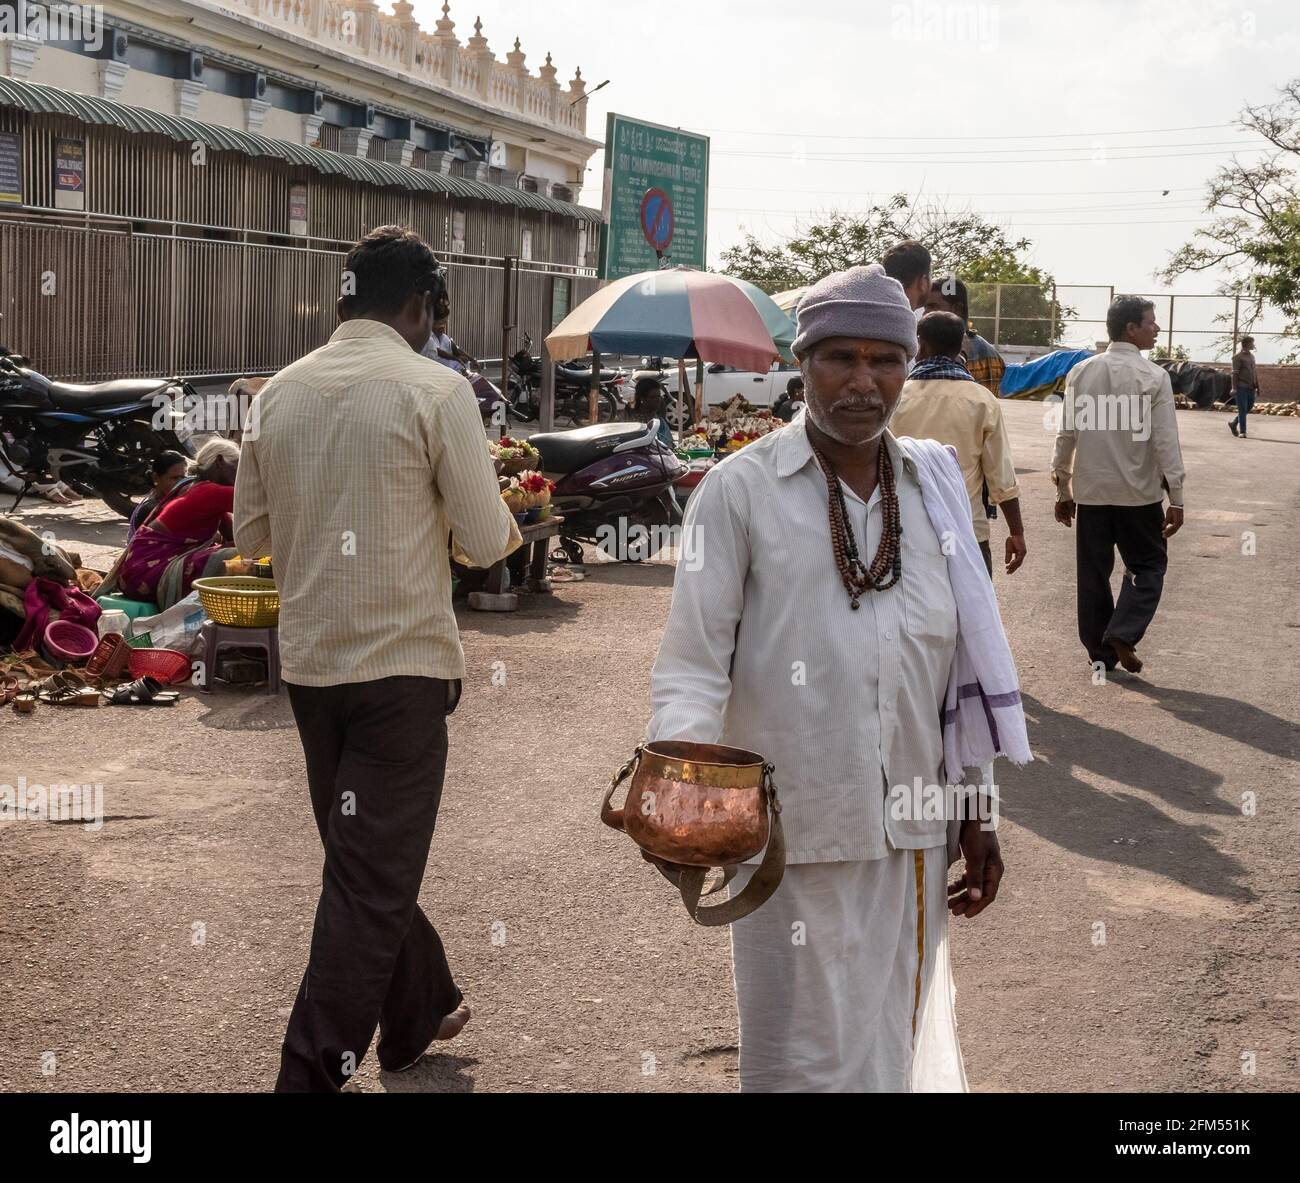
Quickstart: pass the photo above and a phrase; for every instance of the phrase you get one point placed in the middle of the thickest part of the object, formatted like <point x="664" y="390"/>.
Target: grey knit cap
<point x="860" y="302"/>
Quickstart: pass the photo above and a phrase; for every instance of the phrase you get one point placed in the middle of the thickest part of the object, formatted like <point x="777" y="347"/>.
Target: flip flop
<point x="143" y="692"/>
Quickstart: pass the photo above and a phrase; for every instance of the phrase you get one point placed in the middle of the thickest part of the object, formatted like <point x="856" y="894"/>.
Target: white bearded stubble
<point x="814" y="414"/>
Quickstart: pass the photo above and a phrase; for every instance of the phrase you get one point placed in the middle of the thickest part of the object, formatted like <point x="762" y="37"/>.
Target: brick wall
<point x="1277" y="384"/>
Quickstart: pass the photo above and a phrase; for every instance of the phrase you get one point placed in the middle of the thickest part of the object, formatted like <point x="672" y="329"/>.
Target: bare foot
<point x="454" y="1023"/>
<point x="1127" y="655"/>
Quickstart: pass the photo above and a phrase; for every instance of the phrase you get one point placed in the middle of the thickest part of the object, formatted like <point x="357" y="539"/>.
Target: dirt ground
<point x="1145" y="937"/>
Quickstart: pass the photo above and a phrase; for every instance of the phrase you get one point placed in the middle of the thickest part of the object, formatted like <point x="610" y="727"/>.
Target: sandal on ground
<point x="143" y="692"/>
<point x="65" y="688"/>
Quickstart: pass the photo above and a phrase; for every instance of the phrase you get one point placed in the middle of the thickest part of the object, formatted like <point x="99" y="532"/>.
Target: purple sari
<point x="161" y="567"/>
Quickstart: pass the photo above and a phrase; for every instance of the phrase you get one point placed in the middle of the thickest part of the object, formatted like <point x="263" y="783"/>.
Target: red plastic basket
<point x="66" y="641"/>
<point x="166" y="665"/>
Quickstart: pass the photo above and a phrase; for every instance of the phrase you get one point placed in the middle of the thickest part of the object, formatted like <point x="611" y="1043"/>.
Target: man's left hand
<point x="1173" y="520"/>
<point x="1016" y="552"/>
<point x="978" y="888"/>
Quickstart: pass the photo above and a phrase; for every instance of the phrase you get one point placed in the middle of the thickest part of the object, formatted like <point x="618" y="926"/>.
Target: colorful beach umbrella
<point x="678" y="313"/>
<point x="789" y="301"/>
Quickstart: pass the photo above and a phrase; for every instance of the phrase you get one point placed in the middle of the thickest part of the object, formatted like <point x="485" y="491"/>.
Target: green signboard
<point x="644" y="158"/>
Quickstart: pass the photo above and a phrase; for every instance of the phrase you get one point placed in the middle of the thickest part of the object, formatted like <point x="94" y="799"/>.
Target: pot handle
<point x="757" y="891"/>
<point x="610" y="816"/>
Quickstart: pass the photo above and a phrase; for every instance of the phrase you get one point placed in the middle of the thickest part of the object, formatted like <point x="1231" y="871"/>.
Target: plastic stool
<point x="133" y="608"/>
<point x="216" y="637"/>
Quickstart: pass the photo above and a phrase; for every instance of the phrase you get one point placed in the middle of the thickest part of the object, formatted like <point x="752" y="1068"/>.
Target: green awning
<point x="50" y="100"/>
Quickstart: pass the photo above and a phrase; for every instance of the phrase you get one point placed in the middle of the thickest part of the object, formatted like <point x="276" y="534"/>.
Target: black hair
<point x="1247" y="340"/>
<point x="389" y="266"/>
<point x="795" y="383"/>
<point x="954" y="292"/>
<point x="165" y="461"/>
<point x="1125" y="311"/>
<point x="907" y="262"/>
<point x="943" y="332"/>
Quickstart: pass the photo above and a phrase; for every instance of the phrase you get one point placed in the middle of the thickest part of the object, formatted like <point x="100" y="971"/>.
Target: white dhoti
<point x="843" y="980"/>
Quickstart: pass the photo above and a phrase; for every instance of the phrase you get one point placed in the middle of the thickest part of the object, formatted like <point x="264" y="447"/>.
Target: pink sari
<point x="161" y="567"/>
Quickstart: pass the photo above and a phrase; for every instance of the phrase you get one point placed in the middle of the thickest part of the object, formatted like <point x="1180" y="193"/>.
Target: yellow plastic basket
<point x="240" y="601"/>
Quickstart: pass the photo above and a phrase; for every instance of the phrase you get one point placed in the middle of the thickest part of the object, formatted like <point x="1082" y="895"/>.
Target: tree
<point x="1255" y="234"/>
<point x="979" y="252"/>
<point x="1162" y="353"/>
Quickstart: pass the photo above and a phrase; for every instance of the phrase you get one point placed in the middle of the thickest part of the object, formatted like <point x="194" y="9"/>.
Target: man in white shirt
<point x="1116" y="456"/>
<point x="819" y="628"/>
<point x="358" y="462"/>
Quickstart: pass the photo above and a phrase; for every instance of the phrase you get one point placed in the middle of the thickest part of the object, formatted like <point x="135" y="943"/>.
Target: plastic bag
<point x="176" y="628"/>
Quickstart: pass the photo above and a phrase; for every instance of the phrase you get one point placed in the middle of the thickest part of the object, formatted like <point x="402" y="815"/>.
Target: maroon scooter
<point x="613" y="486"/>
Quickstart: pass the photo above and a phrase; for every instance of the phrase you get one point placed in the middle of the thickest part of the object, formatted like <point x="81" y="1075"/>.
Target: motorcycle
<point x="613" y="487"/>
<point x="98" y="440"/>
<point x="572" y="389"/>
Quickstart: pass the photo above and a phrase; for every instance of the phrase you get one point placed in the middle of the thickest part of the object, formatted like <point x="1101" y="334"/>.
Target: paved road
<point x="164" y="951"/>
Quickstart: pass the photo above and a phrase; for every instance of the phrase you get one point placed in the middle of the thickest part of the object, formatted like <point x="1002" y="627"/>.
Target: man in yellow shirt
<point x="941" y="401"/>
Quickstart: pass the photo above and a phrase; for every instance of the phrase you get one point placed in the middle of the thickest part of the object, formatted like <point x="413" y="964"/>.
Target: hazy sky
<point x="1064" y="122"/>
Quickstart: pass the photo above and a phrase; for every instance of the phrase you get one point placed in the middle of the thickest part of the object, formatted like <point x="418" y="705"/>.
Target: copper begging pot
<point x="695" y="806"/>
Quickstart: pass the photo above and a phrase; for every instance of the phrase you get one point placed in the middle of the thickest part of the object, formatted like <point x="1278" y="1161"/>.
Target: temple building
<point x="180" y="178"/>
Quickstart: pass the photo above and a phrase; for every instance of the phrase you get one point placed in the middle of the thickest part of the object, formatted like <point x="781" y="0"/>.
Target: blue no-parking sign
<point x="657" y="220"/>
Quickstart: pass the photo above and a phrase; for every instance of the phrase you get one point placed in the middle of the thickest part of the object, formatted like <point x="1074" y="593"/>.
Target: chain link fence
<point x="1201" y="328"/>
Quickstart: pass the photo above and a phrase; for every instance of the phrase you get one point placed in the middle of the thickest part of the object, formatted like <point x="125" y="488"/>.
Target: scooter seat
<point x="105" y="394"/>
<point x="568" y="451"/>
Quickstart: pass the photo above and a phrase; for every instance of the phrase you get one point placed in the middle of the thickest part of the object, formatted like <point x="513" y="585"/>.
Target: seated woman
<point x="188" y="534"/>
<point x="166" y="472"/>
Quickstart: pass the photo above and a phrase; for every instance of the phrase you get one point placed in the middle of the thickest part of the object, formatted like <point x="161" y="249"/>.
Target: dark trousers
<point x="1137" y="531"/>
<point x="1245" y="404"/>
<point x="376" y="753"/>
<point x="986" y="549"/>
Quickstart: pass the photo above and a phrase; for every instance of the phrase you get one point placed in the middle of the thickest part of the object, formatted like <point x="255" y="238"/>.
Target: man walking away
<point x="1116" y="454"/>
<point x="909" y="263"/>
<point x="361" y="459"/>
<point x="1245" y="382"/>
<point x="941" y="401"/>
<point x="984" y="362"/>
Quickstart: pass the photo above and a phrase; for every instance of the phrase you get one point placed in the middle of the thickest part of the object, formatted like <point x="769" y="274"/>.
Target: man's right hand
<point x="1065" y="513"/>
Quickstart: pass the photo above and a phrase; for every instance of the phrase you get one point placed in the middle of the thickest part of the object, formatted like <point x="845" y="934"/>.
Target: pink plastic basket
<point x="65" y="641"/>
<point x="166" y="665"/>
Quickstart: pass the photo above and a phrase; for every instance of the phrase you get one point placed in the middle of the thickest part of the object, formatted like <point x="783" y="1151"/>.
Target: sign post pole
<point x="507" y="273"/>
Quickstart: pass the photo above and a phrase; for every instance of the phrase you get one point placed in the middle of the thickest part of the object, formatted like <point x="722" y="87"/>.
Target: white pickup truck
<point x="723" y="383"/>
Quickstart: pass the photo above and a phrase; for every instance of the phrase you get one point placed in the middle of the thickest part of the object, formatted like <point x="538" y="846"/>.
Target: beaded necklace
<point x="859" y="579"/>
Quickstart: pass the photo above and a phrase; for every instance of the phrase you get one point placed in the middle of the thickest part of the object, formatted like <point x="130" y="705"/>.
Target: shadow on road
<point x="1066" y="810"/>
<point x="1229" y="717"/>
<point x="432" y="1074"/>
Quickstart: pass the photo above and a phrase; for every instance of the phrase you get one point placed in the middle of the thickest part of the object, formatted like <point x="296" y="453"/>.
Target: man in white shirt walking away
<point x="1117" y="455"/>
<point x="360" y="459"/>
<point x="820" y="627"/>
